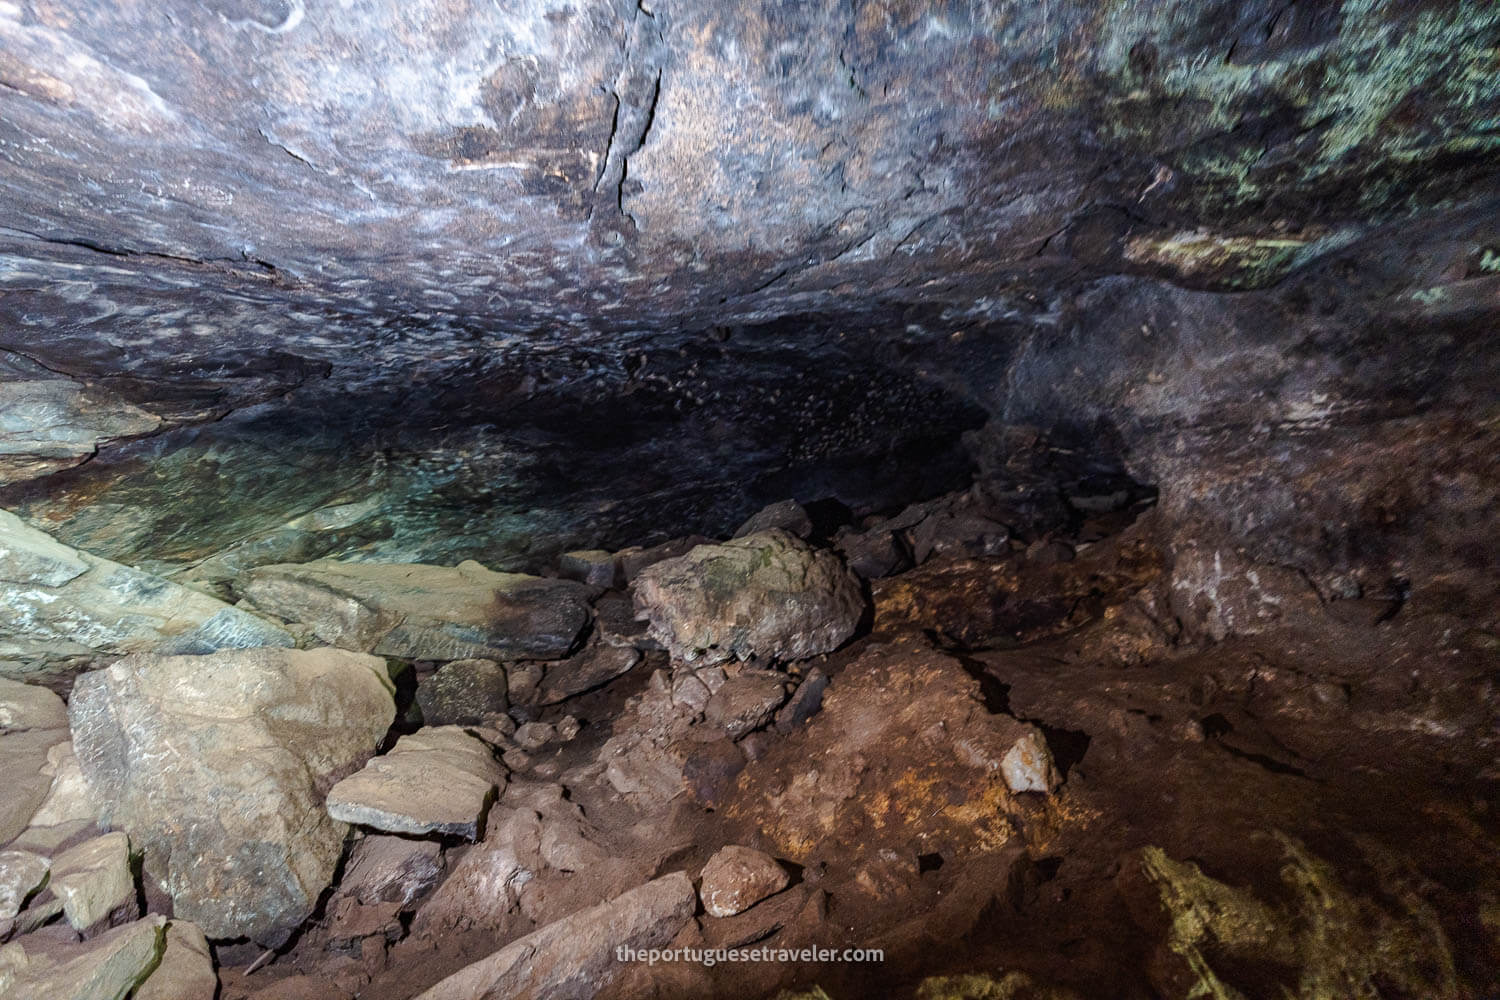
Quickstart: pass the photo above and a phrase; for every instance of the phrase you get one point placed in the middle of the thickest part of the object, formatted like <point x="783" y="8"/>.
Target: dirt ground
<point x="1309" y="811"/>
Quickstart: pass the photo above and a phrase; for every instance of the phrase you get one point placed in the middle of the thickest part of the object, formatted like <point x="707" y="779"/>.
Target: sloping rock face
<point x="954" y="796"/>
<point x="217" y="767"/>
<point x="426" y="612"/>
<point x="66" y="605"/>
<point x="577" y="956"/>
<point x="768" y="596"/>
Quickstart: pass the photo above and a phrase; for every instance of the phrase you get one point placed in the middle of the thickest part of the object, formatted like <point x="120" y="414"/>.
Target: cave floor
<point x="1307" y="811"/>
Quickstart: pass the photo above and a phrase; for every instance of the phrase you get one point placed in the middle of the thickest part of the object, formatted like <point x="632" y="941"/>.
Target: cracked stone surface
<point x="65" y="606"/>
<point x="21" y="874"/>
<point x="94" y="880"/>
<point x="433" y="612"/>
<point x="217" y="767"/>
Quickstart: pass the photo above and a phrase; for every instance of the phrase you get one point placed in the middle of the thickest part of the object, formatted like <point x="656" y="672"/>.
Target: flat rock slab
<point x="21" y="874"/>
<point x="108" y="967"/>
<point x="64" y="603"/>
<point x="217" y="765"/>
<point x="575" y="957"/>
<point x="736" y="878"/>
<point x="439" y="780"/>
<point x="767" y="596"/>
<point x="596" y="664"/>
<point x="426" y="612"/>
<point x="94" y="880"/>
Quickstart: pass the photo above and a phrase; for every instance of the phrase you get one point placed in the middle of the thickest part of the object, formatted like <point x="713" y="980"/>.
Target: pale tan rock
<point x="28" y="706"/>
<point x="217" y="766"/>
<point x="21" y="874"/>
<point x="736" y="878"/>
<point x="23" y="762"/>
<point x="107" y="967"/>
<point x="94" y="880"/>
<point x="439" y="780"/>
<point x="425" y="612"/>
<point x="186" y="971"/>
<point x="576" y="956"/>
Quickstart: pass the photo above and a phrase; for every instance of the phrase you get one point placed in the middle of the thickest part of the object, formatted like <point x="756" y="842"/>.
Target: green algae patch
<point x="1010" y="986"/>
<point x="1306" y="108"/>
<point x="1231" y="262"/>
<point x="1323" y="941"/>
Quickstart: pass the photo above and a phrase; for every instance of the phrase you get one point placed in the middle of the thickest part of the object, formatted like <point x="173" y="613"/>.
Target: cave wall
<point x="416" y="280"/>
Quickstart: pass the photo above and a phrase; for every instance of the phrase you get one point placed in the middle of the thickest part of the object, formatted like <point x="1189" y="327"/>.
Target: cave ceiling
<point x="258" y="255"/>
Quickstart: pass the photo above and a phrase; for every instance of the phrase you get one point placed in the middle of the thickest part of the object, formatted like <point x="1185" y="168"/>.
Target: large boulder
<point x="426" y="612"/>
<point x="767" y="596"/>
<point x="63" y="603"/>
<point x="217" y="767"/>
<point x="576" y="956"/>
